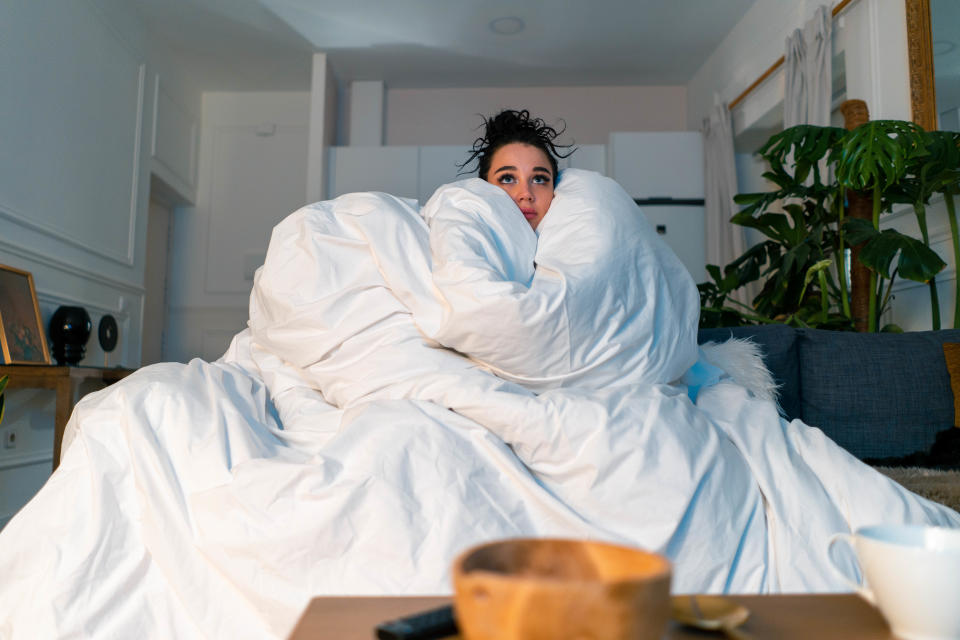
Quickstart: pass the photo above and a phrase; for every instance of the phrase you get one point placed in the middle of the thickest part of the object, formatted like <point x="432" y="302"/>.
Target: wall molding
<point x="25" y="220"/>
<point x="11" y="213"/>
<point x="63" y="299"/>
<point x="153" y="126"/>
<point x="18" y="460"/>
<point x="66" y="267"/>
<point x="135" y="186"/>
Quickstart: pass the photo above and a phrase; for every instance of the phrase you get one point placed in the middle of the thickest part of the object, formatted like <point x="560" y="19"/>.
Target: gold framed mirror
<point x="923" y="97"/>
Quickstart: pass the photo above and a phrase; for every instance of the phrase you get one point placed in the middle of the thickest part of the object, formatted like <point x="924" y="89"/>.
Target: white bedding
<point x="410" y="385"/>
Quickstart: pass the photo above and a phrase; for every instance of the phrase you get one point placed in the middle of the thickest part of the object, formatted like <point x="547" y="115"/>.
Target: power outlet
<point x="10" y="439"/>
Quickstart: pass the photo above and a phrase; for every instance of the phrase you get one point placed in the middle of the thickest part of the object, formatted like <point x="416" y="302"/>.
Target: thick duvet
<point x="413" y="382"/>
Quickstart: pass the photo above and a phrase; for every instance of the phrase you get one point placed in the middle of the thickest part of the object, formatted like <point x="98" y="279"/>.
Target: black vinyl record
<point x="108" y="333"/>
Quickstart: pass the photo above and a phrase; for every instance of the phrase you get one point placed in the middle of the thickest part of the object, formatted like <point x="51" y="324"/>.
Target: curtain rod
<point x="776" y="65"/>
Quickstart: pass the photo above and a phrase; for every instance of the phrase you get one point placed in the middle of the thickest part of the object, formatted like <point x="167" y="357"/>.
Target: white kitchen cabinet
<point x="682" y="228"/>
<point x="657" y="164"/>
<point x="663" y="171"/>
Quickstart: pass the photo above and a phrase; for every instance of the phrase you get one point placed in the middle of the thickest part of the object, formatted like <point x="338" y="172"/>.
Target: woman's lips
<point x="529" y="214"/>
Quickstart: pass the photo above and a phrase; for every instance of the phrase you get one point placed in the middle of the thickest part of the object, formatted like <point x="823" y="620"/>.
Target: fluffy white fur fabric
<point x="742" y="360"/>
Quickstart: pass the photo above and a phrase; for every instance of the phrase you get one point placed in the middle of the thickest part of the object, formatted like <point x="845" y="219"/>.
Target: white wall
<point x="76" y="121"/>
<point x="451" y="116"/>
<point x="253" y="173"/>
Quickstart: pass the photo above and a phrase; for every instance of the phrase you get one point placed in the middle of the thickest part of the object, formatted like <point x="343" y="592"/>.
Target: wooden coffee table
<point x="774" y="617"/>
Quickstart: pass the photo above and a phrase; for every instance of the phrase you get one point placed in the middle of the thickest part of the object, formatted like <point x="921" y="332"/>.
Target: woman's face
<point x="523" y="171"/>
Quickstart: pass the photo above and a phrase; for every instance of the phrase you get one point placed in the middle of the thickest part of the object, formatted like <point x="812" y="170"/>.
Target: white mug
<point x="912" y="576"/>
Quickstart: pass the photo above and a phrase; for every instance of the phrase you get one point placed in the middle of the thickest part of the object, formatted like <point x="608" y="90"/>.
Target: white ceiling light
<point x="507" y="25"/>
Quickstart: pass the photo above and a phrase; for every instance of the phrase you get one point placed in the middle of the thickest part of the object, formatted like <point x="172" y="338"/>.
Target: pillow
<point x="951" y="355"/>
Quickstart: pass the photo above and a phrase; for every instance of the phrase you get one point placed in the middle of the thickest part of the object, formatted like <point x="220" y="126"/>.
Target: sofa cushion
<point x="876" y="394"/>
<point x="779" y="345"/>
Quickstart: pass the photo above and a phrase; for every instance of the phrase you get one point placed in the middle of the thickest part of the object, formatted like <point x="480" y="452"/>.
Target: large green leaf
<point x="799" y="231"/>
<point x="917" y="261"/>
<point x="941" y="167"/>
<point x="876" y="153"/>
<point x="749" y="198"/>
<point x="805" y="145"/>
<point x="858" y="230"/>
<point x="943" y="151"/>
<point x="772" y="225"/>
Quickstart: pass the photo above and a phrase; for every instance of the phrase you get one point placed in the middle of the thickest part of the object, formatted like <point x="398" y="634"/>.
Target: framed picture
<point x="22" y="338"/>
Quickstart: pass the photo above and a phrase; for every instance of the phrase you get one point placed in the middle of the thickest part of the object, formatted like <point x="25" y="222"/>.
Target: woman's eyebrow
<point x="544" y="169"/>
<point x="506" y="167"/>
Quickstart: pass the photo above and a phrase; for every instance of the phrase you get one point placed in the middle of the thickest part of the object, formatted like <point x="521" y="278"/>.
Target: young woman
<point x="518" y="154"/>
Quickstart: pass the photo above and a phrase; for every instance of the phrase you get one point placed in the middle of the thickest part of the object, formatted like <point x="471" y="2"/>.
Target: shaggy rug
<point x="941" y="486"/>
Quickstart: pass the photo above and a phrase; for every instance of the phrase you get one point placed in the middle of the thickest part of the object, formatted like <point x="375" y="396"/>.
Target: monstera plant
<point x="800" y="219"/>
<point x="803" y="261"/>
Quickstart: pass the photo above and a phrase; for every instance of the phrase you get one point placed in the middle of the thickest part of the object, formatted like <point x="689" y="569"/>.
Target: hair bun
<point x="510" y="126"/>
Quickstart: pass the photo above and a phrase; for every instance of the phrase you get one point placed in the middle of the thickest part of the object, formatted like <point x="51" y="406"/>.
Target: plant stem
<point x="921" y="212"/>
<point x="739" y="304"/>
<point x="824" y="294"/>
<point x="872" y="319"/>
<point x="886" y="297"/>
<point x="842" y="256"/>
<point x="952" y="217"/>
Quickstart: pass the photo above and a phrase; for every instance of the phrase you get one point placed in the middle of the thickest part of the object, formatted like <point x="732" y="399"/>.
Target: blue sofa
<point x="882" y="396"/>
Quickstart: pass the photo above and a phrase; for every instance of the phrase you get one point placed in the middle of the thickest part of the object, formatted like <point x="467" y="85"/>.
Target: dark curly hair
<point x="511" y="126"/>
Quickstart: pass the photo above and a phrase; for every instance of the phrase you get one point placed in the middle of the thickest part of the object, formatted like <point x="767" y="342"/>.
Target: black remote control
<point x="435" y="623"/>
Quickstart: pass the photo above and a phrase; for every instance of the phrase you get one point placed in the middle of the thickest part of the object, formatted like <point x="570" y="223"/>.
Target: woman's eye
<point x="506" y="179"/>
<point x="541" y="179"/>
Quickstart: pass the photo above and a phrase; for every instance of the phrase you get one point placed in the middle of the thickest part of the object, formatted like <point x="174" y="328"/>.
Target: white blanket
<point x="412" y="383"/>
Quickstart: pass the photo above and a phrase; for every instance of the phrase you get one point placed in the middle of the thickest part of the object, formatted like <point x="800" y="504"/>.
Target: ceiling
<point x="266" y="45"/>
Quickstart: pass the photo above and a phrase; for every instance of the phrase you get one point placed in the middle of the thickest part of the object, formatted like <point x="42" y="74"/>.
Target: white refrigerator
<point x="663" y="172"/>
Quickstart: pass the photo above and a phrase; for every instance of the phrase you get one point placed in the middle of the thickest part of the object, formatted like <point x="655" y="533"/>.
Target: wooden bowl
<point x="551" y="589"/>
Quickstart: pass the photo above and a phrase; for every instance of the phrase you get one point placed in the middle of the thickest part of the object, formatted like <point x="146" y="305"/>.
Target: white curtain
<point x="808" y="72"/>
<point x="724" y="241"/>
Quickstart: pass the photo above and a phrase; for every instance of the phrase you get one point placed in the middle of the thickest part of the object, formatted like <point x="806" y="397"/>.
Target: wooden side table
<point x="65" y="381"/>
<point x="780" y="617"/>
